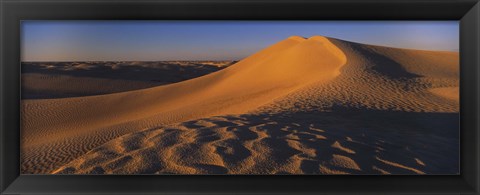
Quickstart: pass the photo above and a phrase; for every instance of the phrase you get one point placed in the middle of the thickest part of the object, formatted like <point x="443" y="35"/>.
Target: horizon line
<point x="306" y="38"/>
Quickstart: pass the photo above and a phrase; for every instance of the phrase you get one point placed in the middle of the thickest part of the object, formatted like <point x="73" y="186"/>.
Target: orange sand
<point x="301" y="106"/>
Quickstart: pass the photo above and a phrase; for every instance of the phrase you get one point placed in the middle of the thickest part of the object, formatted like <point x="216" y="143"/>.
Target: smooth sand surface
<point x="301" y="106"/>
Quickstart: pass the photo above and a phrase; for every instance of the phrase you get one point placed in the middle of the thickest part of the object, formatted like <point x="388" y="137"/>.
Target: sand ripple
<point x="275" y="144"/>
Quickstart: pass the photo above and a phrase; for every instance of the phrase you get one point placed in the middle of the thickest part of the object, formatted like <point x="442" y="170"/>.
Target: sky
<point x="213" y="40"/>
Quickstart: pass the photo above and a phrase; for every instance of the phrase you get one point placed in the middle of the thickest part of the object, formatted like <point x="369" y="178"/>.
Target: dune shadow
<point x="382" y="64"/>
<point x="373" y="142"/>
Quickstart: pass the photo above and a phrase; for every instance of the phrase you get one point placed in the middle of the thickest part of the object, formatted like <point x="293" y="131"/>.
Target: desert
<point x="304" y="105"/>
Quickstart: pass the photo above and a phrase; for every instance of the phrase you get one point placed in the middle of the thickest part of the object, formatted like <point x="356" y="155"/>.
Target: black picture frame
<point x="14" y="11"/>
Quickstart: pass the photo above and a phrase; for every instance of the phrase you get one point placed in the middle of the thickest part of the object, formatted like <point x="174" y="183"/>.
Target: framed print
<point x="239" y="97"/>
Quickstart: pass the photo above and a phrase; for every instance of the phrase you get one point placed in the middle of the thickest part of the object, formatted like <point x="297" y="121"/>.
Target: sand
<point x="313" y="105"/>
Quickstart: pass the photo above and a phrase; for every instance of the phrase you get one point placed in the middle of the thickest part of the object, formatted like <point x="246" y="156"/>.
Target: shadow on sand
<point x="392" y="141"/>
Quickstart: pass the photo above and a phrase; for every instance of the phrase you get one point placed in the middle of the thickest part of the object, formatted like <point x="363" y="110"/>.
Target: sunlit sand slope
<point x="56" y="131"/>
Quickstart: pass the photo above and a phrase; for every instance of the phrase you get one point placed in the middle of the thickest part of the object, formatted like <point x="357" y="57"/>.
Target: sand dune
<point x="373" y="80"/>
<point x="316" y="105"/>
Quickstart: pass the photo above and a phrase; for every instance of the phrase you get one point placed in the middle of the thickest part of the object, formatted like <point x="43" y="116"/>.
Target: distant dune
<point x="45" y="86"/>
<point x="47" y="80"/>
<point x="301" y="106"/>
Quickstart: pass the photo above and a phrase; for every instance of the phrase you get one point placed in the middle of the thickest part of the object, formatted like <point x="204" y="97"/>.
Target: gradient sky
<point x="213" y="40"/>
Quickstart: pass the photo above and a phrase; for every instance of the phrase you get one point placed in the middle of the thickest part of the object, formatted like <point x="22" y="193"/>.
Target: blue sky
<point x="213" y="40"/>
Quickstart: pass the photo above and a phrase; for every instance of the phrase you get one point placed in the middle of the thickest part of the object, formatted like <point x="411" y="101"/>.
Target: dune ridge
<point x="241" y="120"/>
